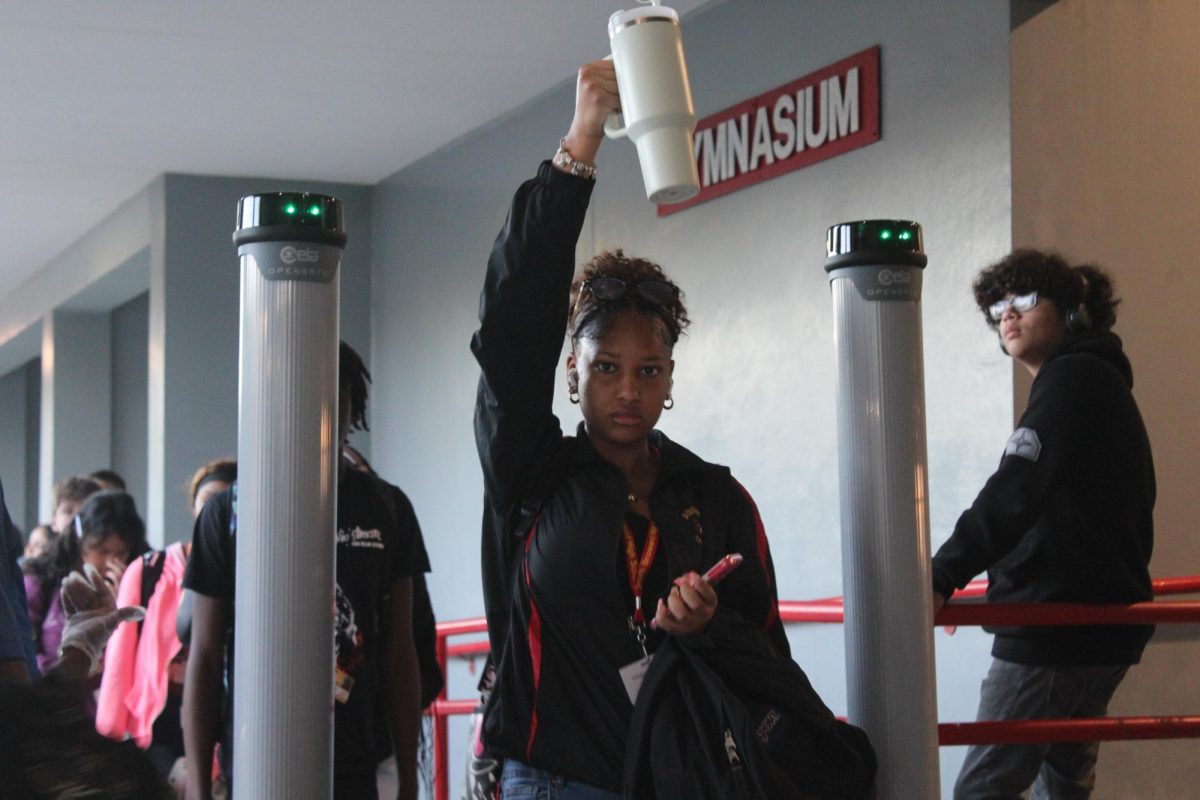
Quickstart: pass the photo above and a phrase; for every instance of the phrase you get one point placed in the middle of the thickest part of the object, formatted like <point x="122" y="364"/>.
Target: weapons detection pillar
<point x="875" y="270"/>
<point x="290" y="247"/>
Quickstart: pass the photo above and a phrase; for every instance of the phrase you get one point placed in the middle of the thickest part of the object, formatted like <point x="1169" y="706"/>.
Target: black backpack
<point x="721" y="717"/>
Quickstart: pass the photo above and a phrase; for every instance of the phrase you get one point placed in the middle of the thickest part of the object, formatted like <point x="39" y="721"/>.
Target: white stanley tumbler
<point x="290" y="248"/>
<point x="656" y="100"/>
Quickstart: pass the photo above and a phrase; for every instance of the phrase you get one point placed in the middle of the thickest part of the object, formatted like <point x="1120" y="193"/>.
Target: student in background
<point x="70" y="494"/>
<point x="376" y="662"/>
<point x="142" y="690"/>
<point x="48" y="745"/>
<point x="40" y="539"/>
<point x="109" y="479"/>
<point x="107" y="533"/>
<point x="1066" y="517"/>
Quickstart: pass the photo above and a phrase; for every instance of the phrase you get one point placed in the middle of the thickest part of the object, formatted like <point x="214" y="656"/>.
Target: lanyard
<point x="637" y="565"/>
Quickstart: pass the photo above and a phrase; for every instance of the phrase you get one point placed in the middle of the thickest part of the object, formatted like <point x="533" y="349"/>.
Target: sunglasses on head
<point x="1021" y="303"/>
<point x="653" y="291"/>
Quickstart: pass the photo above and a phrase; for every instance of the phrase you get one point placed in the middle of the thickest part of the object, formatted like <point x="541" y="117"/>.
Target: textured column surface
<point x="287" y="431"/>
<point x="885" y="533"/>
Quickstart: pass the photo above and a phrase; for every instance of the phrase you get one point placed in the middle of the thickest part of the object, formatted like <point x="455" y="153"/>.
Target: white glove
<point x="92" y="614"/>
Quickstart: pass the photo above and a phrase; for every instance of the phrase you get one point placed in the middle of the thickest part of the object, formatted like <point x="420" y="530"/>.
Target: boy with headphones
<point x="1066" y="517"/>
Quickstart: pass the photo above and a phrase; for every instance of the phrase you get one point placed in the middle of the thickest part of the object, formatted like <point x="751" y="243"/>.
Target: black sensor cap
<point x="290" y="216"/>
<point x="875" y="241"/>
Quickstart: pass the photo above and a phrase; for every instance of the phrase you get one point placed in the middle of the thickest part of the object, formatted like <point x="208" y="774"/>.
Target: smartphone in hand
<point x="723" y="567"/>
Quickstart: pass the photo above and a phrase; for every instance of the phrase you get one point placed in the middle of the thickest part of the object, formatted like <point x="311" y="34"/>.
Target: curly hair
<point x="353" y="378"/>
<point x="592" y="318"/>
<point x="1028" y="270"/>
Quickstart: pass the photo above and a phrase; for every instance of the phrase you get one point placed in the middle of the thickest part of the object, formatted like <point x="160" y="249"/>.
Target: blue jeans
<point x="523" y="782"/>
<point x="1059" y="770"/>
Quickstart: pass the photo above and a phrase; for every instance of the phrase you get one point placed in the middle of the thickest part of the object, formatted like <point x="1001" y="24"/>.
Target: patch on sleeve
<point x="1025" y="443"/>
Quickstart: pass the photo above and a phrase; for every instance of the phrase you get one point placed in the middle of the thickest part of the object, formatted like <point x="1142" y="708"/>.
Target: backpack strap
<point x="152" y="568"/>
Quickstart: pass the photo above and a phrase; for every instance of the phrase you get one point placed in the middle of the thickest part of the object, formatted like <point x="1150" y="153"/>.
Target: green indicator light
<point x="905" y="235"/>
<point x="315" y="210"/>
<point x="885" y="234"/>
<point x="290" y="208"/>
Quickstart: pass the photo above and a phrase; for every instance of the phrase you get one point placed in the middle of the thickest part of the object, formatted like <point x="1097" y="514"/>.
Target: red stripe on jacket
<point x="760" y="540"/>
<point x="535" y="645"/>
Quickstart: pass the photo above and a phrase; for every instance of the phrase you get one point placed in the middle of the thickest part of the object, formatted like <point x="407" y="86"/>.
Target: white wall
<point x="754" y="382"/>
<point x="1105" y="168"/>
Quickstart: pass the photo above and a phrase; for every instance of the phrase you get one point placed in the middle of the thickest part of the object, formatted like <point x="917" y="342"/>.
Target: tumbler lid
<point x="648" y="13"/>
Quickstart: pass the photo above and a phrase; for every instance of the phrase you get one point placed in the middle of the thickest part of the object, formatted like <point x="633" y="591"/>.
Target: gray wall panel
<point x="130" y="387"/>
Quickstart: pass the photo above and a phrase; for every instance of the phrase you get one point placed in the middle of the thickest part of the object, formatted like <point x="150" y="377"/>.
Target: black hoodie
<point x="1068" y="515"/>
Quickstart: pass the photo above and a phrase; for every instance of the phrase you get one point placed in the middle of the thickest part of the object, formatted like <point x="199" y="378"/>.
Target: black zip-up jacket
<point x="557" y="605"/>
<point x="1068" y="516"/>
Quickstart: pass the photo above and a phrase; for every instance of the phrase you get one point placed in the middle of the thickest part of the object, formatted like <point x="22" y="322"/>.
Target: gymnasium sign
<point x="824" y="114"/>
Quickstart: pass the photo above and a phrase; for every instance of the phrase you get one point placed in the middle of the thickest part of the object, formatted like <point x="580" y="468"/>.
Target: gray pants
<point x="1058" y="771"/>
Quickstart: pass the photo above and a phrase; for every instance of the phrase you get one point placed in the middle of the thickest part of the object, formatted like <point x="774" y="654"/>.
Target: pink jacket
<point x="133" y="690"/>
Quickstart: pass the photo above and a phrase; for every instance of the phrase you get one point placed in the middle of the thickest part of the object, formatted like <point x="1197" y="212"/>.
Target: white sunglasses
<point x="1021" y="303"/>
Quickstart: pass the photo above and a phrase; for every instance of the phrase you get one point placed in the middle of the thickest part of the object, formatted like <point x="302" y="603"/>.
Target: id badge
<point x="342" y="685"/>
<point x="632" y="675"/>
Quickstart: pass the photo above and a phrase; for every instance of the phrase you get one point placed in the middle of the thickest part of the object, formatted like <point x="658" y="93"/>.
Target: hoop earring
<point x="573" y="394"/>
<point x="669" y="403"/>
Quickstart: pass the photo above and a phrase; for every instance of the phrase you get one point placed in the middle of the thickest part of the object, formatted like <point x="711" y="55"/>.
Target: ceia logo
<point x="290" y="255"/>
<point x="887" y="277"/>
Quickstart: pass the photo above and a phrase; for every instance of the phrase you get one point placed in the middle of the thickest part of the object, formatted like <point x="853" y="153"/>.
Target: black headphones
<point x="1078" y="318"/>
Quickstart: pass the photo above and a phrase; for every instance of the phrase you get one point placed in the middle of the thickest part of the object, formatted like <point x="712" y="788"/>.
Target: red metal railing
<point x="1105" y="729"/>
<point x="831" y="610"/>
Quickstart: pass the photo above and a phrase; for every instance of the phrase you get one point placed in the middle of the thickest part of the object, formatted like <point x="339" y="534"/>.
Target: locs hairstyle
<point x="592" y="318"/>
<point x="353" y="378"/>
<point x="1027" y="270"/>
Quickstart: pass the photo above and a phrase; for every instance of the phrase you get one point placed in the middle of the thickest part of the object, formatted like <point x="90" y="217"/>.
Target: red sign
<point x="822" y="115"/>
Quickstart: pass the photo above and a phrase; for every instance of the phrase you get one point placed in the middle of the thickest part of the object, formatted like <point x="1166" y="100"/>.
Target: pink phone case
<point x="723" y="567"/>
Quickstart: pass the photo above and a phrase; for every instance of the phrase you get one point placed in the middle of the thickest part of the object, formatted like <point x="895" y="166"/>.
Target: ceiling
<point x="98" y="98"/>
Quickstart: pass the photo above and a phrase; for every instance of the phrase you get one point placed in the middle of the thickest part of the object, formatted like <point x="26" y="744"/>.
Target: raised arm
<point x="523" y="308"/>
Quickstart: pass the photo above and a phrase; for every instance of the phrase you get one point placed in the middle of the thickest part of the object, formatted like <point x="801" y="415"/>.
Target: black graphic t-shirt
<point x="378" y="543"/>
